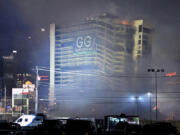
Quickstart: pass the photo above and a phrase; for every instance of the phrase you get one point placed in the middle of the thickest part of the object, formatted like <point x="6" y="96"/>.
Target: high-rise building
<point x="83" y="55"/>
<point x="9" y="73"/>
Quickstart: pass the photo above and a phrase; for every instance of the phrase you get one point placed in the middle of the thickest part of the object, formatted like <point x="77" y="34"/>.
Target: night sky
<point x="20" y="19"/>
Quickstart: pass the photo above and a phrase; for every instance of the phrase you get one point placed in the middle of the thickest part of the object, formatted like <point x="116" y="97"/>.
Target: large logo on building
<point x="84" y="44"/>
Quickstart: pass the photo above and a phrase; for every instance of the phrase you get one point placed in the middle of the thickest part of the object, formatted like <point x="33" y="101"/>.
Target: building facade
<point x="142" y="51"/>
<point x="21" y="78"/>
<point x="84" y="56"/>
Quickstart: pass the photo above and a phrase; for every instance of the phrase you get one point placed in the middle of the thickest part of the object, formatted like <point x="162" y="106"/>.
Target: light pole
<point x="137" y="98"/>
<point x="5" y="101"/>
<point x="149" y="95"/>
<point x="22" y="102"/>
<point x="37" y="83"/>
<point x="156" y="71"/>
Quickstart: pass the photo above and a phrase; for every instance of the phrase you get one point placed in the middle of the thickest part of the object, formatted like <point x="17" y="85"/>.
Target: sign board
<point x="84" y="44"/>
<point x="20" y="101"/>
<point x="19" y="91"/>
<point x="30" y="87"/>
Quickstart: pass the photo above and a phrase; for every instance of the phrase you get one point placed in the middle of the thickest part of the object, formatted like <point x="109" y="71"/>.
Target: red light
<point x="43" y="77"/>
<point x="171" y="74"/>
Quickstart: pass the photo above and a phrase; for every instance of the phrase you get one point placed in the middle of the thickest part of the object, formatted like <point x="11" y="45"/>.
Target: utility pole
<point x="155" y="71"/>
<point x="22" y="102"/>
<point x="156" y="95"/>
<point x="137" y="109"/>
<point x="5" y="102"/>
<point x="150" y="109"/>
<point x="36" y="98"/>
<point x="149" y="96"/>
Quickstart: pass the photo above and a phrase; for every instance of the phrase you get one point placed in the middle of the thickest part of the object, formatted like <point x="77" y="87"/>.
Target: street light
<point x="43" y="29"/>
<point x="149" y="94"/>
<point x="137" y="98"/>
<point x="156" y="71"/>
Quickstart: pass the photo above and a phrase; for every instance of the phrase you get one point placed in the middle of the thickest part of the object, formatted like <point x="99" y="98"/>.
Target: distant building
<point x="23" y="99"/>
<point x="21" y="78"/>
<point x="8" y="73"/>
<point x="1" y="88"/>
<point x="84" y="55"/>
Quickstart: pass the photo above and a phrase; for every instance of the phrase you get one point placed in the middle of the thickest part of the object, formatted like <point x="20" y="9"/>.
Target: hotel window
<point x="140" y="28"/>
<point x="138" y="52"/>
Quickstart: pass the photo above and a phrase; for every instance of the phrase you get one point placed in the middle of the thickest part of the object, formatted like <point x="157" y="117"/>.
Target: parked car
<point x="80" y="127"/>
<point x="7" y="128"/>
<point x="156" y="129"/>
<point x="133" y="129"/>
<point x="168" y="126"/>
<point x="30" y="120"/>
<point x="53" y="127"/>
<point x="118" y="129"/>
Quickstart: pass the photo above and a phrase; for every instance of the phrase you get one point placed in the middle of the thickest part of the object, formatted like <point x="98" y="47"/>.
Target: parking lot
<point x="110" y="125"/>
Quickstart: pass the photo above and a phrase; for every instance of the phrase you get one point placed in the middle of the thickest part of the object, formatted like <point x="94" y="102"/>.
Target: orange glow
<point x="28" y="83"/>
<point x="125" y="22"/>
<point x="155" y="107"/>
<point x="117" y="21"/>
<point x="171" y="74"/>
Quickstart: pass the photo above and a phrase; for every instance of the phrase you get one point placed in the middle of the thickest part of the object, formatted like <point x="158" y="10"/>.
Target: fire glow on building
<point x="82" y="55"/>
